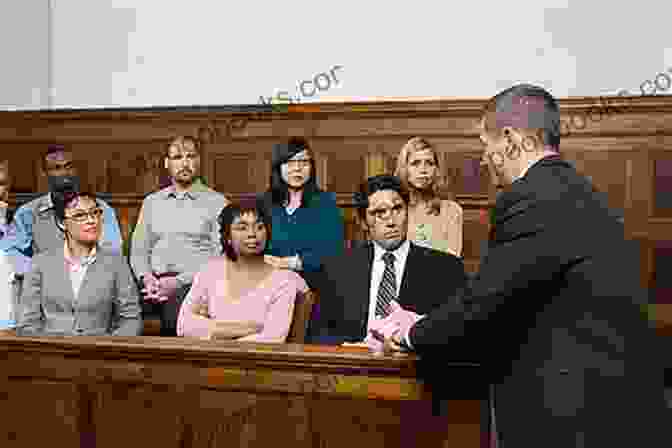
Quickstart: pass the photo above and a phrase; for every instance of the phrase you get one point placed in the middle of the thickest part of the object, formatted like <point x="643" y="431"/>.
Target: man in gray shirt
<point x="176" y="233"/>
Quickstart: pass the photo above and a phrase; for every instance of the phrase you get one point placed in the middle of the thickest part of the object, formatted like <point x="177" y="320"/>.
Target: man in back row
<point x="34" y="222"/>
<point x="176" y="233"/>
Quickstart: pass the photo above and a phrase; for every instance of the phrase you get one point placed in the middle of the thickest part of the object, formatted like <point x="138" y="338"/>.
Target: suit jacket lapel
<point x="362" y="265"/>
<point x="92" y="272"/>
<point x="63" y="283"/>
<point x="411" y="260"/>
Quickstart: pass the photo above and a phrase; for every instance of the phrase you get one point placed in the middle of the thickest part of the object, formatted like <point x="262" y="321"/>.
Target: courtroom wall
<point x="24" y="54"/>
<point x="626" y="154"/>
<point x="126" y="53"/>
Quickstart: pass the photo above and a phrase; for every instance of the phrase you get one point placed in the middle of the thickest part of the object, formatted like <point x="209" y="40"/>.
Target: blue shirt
<point x="36" y="231"/>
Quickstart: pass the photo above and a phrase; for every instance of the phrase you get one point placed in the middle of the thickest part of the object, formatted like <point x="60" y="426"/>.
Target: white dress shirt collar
<point x="400" y="253"/>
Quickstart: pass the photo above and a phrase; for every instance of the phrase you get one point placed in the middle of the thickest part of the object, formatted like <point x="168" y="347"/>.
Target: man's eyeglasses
<point x="95" y="215"/>
<point x="381" y="213"/>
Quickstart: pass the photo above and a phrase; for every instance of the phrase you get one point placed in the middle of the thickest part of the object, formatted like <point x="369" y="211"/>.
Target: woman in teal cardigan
<point x="307" y="224"/>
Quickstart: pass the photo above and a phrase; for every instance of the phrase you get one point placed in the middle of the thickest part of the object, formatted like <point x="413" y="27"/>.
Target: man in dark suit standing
<point x="555" y="311"/>
<point x="366" y="283"/>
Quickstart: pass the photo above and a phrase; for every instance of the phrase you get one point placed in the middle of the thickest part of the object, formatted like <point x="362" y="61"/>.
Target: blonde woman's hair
<point x="430" y="195"/>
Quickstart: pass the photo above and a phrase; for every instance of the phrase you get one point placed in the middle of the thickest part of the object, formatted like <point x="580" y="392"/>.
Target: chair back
<point x="303" y="308"/>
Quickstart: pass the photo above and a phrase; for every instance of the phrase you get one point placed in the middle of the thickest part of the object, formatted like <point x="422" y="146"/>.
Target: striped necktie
<point x="387" y="291"/>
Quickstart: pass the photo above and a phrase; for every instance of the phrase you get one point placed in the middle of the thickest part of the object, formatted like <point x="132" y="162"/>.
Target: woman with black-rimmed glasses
<point x="79" y="289"/>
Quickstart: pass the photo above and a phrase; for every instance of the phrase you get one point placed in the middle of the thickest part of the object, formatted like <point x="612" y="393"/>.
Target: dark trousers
<point x="167" y="312"/>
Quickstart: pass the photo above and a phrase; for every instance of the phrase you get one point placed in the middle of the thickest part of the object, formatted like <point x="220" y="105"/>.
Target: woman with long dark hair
<point x="307" y="223"/>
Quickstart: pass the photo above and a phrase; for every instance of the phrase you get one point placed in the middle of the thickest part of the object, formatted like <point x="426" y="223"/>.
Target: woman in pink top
<point x="237" y="295"/>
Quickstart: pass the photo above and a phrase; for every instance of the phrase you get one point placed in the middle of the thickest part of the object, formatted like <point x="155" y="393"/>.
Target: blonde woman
<point x="432" y="222"/>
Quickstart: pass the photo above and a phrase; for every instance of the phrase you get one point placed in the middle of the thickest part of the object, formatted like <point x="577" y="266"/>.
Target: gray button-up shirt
<point x="177" y="232"/>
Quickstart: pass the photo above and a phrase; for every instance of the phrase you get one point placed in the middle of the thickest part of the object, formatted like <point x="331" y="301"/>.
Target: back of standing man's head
<point x="526" y="107"/>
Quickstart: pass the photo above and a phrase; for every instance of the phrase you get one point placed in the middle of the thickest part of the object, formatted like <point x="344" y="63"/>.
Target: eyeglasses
<point x="381" y="213"/>
<point x="299" y="163"/>
<point x="95" y="214"/>
<point x="183" y="155"/>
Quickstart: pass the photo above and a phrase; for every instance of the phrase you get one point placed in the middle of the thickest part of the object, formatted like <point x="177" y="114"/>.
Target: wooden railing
<point x="176" y="392"/>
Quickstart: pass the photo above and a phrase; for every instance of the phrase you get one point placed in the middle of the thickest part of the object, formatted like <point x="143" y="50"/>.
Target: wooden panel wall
<point x="119" y="152"/>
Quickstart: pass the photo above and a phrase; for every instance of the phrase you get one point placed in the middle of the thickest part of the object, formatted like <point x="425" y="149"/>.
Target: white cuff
<point x="296" y="264"/>
<point x="406" y="338"/>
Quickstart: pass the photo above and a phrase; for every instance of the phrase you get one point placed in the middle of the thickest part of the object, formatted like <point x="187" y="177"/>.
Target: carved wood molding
<point x="217" y="131"/>
<point x="623" y="116"/>
<point x="343" y="200"/>
<point x="636" y="104"/>
<point x="322" y="359"/>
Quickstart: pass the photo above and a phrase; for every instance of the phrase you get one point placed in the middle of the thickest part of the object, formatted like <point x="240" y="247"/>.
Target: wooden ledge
<point x="211" y="353"/>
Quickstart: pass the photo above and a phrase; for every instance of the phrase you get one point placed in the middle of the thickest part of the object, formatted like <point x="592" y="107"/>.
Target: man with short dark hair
<point x="388" y="272"/>
<point x="36" y="230"/>
<point x="176" y="233"/>
<point x="555" y="313"/>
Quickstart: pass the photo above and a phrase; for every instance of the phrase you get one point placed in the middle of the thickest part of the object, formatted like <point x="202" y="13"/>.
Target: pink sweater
<point x="271" y="303"/>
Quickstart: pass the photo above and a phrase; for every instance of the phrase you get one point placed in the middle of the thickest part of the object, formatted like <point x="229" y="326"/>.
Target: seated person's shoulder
<point x="221" y="198"/>
<point x="451" y="208"/>
<point x="215" y="264"/>
<point x="437" y="256"/>
<point x="326" y="199"/>
<point x="213" y="195"/>
<point x="295" y="279"/>
<point x="343" y="259"/>
<point x="154" y="195"/>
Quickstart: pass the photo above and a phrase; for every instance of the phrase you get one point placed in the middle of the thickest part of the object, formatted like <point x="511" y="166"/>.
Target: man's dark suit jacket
<point x="555" y="313"/>
<point x="429" y="278"/>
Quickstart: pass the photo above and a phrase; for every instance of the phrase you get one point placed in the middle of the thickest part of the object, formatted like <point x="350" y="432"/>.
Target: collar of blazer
<point x="75" y="264"/>
<point x="522" y="197"/>
<point x="512" y="198"/>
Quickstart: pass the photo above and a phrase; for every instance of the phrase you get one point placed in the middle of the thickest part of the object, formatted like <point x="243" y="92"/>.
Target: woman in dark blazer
<point x="79" y="289"/>
<point x="307" y="224"/>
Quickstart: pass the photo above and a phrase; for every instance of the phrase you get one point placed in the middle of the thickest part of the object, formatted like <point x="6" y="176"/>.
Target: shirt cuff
<point x="406" y="339"/>
<point x="184" y="279"/>
<point x="296" y="264"/>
